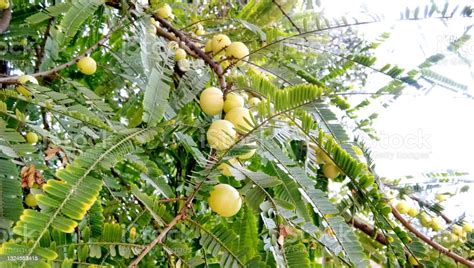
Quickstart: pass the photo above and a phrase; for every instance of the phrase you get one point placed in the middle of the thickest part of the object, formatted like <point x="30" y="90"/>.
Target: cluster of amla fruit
<point x="457" y="232"/>
<point x="226" y="51"/>
<point x="4" y="4"/>
<point x="221" y="135"/>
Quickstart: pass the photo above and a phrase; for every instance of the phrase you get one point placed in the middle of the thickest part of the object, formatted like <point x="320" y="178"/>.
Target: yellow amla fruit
<point x="457" y="230"/>
<point x="23" y="80"/>
<point x="241" y="119"/>
<point x="412" y="211"/>
<point x="208" y="47"/>
<point x="402" y="207"/>
<point x="467" y="227"/>
<point x="212" y="101"/>
<point x="30" y="200"/>
<point x="225" y="167"/>
<point x="253" y="102"/>
<point x="164" y="12"/>
<point x="250" y="153"/>
<point x="225" y="200"/>
<point x="219" y="43"/>
<point x="330" y="171"/>
<point x="233" y="100"/>
<point x="425" y="220"/>
<point x="180" y="54"/>
<point x="32" y="138"/>
<point x="87" y="66"/>
<point x="435" y="224"/>
<point x="4" y="4"/>
<point x="237" y="51"/>
<point x="199" y="30"/>
<point x="221" y="135"/>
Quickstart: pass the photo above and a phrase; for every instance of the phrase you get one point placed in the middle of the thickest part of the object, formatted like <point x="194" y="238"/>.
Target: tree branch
<point x="6" y="18"/>
<point x="441" y="249"/>
<point x="425" y="204"/>
<point x="198" y="51"/>
<point x="368" y="229"/>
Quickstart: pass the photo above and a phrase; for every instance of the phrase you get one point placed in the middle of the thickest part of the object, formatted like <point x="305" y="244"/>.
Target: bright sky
<point x="420" y="132"/>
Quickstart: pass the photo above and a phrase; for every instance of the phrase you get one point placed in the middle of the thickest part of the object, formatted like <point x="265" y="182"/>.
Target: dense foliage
<point x="209" y="133"/>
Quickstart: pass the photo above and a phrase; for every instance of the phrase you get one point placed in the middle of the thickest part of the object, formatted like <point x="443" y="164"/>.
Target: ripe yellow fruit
<point x="412" y="211"/>
<point x="133" y="233"/>
<point x="87" y="65"/>
<point x="233" y="100"/>
<point x="253" y="102"/>
<point x="23" y="80"/>
<point x="225" y="168"/>
<point x="467" y="227"/>
<point x="199" y="30"/>
<point x="457" y="230"/>
<point x="30" y="200"/>
<point x="164" y="12"/>
<point x="4" y="4"/>
<point x="221" y="135"/>
<point x="241" y="119"/>
<point x="425" y="220"/>
<point x="31" y="138"/>
<point x="212" y="101"/>
<point x="208" y="46"/>
<point x="219" y="42"/>
<point x="390" y="239"/>
<point x="402" y="207"/>
<point x="237" y="50"/>
<point x="435" y="224"/>
<point x="250" y="153"/>
<point x="180" y="54"/>
<point x="330" y="171"/>
<point x="225" y="200"/>
<point x="322" y="157"/>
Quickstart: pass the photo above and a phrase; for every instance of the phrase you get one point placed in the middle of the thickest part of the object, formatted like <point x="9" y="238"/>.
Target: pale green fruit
<point x="219" y="42"/>
<point x="233" y="100"/>
<point x="4" y="4"/>
<point x="240" y="117"/>
<point x="221" y="135"/>
<point x="180" y="54"/>
<point x="208" y="46"/>
<point x="412" y="211"/>
<point x="87" y="65"/>
<point x="457" y="230"/>
<point x="31" y="138"/>
<point x="237" y="51"/>
<point x="212" y="101"/>
<point x="225" y="200"/>
<point x="30" y="200"/>
<point x="225" y="168"/>
<point x="435" y="224"/>
<point x="253" y="102"/>
<point x="164" y="12"/>
<point x="425" y="220"/>
<point x="467" y="227"/>
<point x="330" y="171"/>
<point x="402" y="207"/>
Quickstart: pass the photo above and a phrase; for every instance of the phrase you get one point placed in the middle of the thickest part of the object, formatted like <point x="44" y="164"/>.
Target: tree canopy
<point x="209" y="134"/>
